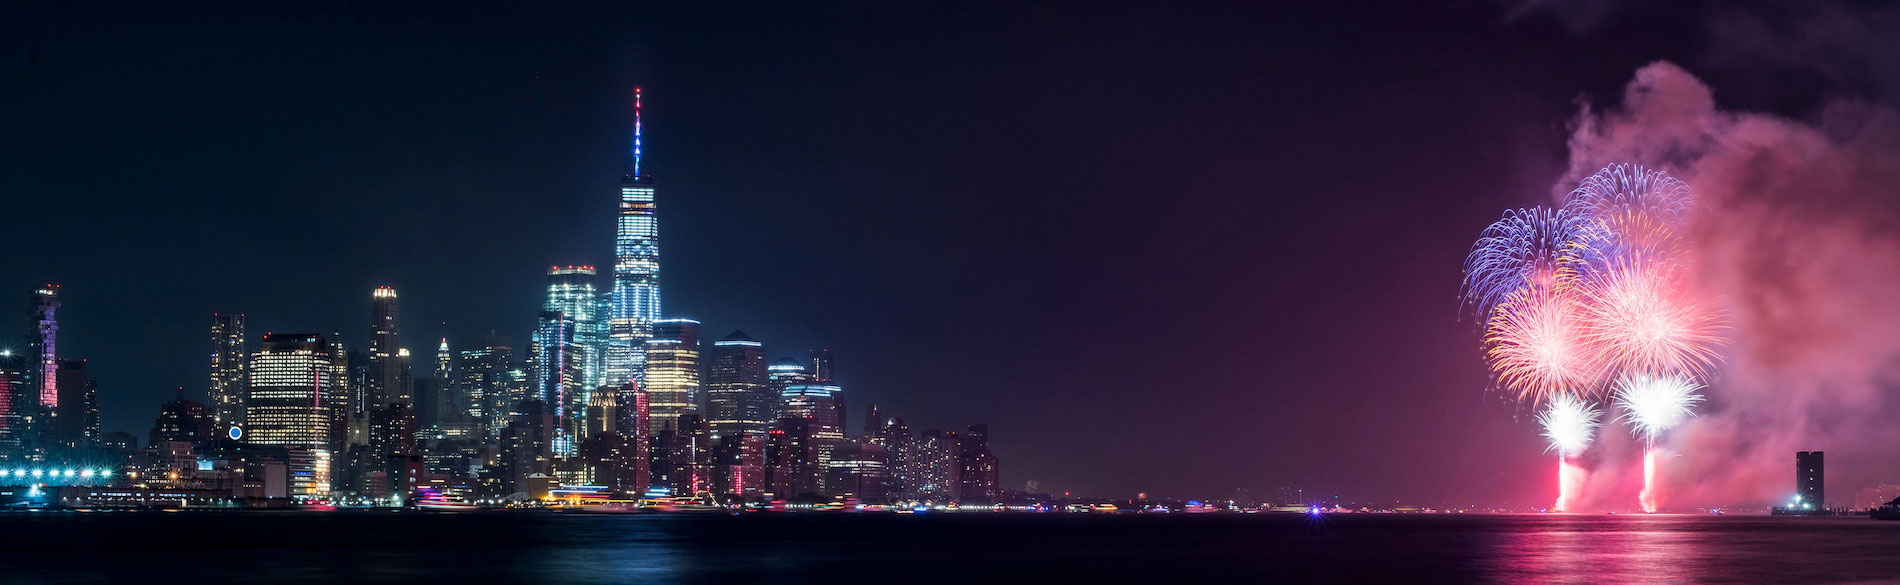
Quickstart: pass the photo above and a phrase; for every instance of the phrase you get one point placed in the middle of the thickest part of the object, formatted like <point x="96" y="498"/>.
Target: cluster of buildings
<point x="606" y="396"/>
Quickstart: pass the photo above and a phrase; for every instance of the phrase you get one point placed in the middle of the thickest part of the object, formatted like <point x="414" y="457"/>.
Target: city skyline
<point x="1232" y="227"/>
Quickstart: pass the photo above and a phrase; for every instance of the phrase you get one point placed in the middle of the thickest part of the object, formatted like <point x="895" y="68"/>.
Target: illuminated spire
<point x="636" y="132"/>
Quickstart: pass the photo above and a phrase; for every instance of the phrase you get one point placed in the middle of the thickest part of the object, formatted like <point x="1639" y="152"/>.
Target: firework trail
<point x="1654" y="404"/>
<point x="1570" y="424"/>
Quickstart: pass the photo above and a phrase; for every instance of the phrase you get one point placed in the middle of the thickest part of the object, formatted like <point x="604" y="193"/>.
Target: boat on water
<point x="445" y="505"/>
<point x="606" y="507"/>
<point x="699" y="502"/>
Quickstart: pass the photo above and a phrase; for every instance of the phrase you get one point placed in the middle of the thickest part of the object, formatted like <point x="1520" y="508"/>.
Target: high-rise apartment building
<point x="738" y="399"/>
<point x="935" y="467"/>
<point x="977" y="468"/>
<point x="672" y="366"/>
<point x="635" y="302"/>
<point x="228" y="357"/>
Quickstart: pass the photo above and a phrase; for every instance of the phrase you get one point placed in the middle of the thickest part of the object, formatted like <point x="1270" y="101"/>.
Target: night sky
<point x="1156" y="250"/>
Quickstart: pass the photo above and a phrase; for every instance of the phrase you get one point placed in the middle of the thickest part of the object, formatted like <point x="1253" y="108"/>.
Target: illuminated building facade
<point x="790" y="461"/>
<point x="292" y="389"/>
<point x="385" y="379"/>
<point x="571" y="291"/>
<point x="483" y="377"/>
<point x="738" y="400"/>
<point x="228" y="357"/>
<point x="41" y="344"/>
<point x="935" y="467"/>
<point x="782" y="374"/>
<point x="291" y="386"/>
<point x="976" y="473"/>
<point x="15" y="394"/>
<point x="672" y="371"/>
<point x="859" y="469"/>
<point x="635" y="301"/>
<point x="817" y="403"/>
<point x="557" y="369"/>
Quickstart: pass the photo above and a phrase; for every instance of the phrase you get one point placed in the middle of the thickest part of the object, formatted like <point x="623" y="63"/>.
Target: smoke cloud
<point x="1798" y="239"/>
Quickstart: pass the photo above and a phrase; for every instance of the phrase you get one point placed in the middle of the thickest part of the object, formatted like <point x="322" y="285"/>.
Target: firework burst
<point x="1640" y="317"/>
<point x="1534" y="344"/>
<point x="1653" y="404"/>
<point x="1570" y="424"/>
<point x="1526" y="248"/>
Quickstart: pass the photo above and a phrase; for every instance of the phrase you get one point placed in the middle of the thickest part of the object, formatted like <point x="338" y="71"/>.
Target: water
<point x="365" y="547"/>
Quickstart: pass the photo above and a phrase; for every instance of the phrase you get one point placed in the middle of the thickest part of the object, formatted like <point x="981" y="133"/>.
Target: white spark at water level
<point x="1655" y="404"/>
<point x="1569" y="423"/>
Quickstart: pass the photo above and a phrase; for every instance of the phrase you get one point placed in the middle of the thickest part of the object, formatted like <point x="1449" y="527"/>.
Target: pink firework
<point x="1534" y="343"/>
<point x="1639" y="317"/>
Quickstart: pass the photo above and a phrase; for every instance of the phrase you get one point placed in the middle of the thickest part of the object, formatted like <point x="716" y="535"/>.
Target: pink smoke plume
<point x="1798" y="238"/>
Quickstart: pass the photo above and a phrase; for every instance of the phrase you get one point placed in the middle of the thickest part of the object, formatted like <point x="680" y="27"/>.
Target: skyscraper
<point x="737" y="398"/>
<point x="817" y="403"/>
<point x="556" y="364"/>
<point x="292" y="384"/>
<point x="635" y="304"/>
<point x="385" y="346"/>
<point x="977" y="468"/>
<point x="672" y="366"/>
<point x="41" y="345"/>
<point x="482" y="385"/>
<point x="571" y="291"/>
<point x="821" y="365"/>
<point x="76" y="420"/>
<point x="782" y="374"/>
<point x="293" y="388"/>
<point x="227" y="389"/>
<point x="15" y="394"/>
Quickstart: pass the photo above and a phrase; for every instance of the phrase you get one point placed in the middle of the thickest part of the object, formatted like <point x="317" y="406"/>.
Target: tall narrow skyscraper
<point x="635" y="304"/>
<point x="227" y="389"/>
<point x="41" y="345"/>
<point x="737" y="399"/>
<point x="571" y="291"/>
<point x="385" y="345"/>
<point x="672" y="363"/>
<point x="557" y="369"/>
